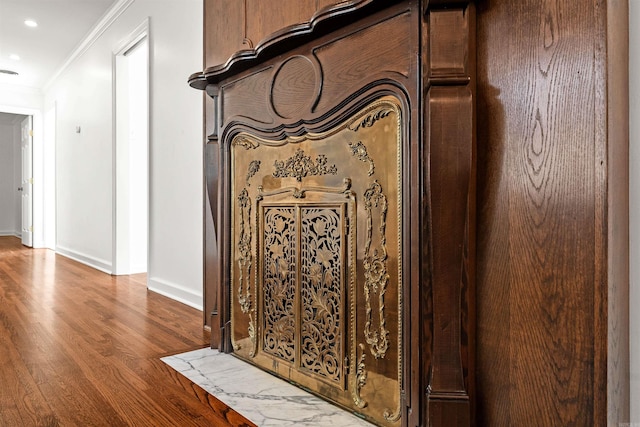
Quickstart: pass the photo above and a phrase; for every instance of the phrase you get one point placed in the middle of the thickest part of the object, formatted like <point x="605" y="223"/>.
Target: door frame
<point x="38" y="206"/>
<point x="120" y="245"/>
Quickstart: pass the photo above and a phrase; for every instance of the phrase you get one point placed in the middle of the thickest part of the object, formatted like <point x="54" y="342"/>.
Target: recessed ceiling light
<point x="14" y="57"/>
<point x="30" y="23"/>
<point x="11" y="73"/>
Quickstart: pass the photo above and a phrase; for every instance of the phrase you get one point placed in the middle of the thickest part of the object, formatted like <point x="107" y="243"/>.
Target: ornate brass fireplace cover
<point x="316" y="276"/>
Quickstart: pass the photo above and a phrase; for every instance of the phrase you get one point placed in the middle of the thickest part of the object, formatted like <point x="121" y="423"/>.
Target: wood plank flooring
<point x="82" y="348"/>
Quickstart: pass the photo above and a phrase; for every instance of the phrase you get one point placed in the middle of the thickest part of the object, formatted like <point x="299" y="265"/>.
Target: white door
<point x="27" y="182"/>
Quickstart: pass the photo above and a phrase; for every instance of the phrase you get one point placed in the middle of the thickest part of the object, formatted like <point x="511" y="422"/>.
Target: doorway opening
<point x="131" y="156"/>
<point x="11" y="175"/>
<point x="39" y="205"/>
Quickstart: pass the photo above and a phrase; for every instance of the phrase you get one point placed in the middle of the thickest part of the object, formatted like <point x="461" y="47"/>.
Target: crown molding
<point x="105" y="22"/>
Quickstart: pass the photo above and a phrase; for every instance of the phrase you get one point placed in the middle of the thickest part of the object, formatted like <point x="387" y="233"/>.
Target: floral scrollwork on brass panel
<point x="371" y="118"/>
<point x="360" y="379"/>
<point x="279" y="277"/>
<point x="244" y="247"/>
<point x="359" y="151"/>
<point x="321" y="291"/>
<point x="247" y="143"/>
<point x="301" y="165"/>
<point x="253" y="169"/>
<point x="375" y="271"/>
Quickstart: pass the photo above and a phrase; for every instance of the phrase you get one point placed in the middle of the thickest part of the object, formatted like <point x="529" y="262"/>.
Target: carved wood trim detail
<point x="322" y="22"/>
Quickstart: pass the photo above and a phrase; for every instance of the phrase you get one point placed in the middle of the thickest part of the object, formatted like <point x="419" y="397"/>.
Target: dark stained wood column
<point x="449" y="66"/>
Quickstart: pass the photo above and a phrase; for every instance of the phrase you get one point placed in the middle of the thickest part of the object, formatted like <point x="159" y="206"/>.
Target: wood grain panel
<point x="251" y="90"/>
<point x="266" y="17"/>
<point x="493" y="261"/>
<point x="383" y="50"/>
<point x="538" y="234"/>
<point x="321" y="4"/>
<point x="223" y="30"/>
<point x="295" y="87"/>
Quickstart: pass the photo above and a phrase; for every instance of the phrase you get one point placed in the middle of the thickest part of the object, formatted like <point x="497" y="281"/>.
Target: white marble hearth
<point x="258" y="396"/>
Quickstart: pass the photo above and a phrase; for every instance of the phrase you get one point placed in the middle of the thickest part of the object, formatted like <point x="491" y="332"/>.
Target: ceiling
<point x="62" y="26"/>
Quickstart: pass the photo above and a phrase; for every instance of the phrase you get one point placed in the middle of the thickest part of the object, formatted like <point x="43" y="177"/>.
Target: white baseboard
<point x="176" y="292"/>
<point x="11" y="233"/>
<point x="99" y="264"/>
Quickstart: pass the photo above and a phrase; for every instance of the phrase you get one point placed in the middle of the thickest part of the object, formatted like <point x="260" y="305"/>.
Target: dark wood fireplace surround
<point x="293" y="89"/>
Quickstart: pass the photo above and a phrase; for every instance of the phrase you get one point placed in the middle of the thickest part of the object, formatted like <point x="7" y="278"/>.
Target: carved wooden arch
<point x="326" y="120"/>
<point x="435" y="92"/>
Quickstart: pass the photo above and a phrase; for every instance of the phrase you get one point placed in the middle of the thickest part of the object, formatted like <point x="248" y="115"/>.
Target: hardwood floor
<point x="82" y="348"/>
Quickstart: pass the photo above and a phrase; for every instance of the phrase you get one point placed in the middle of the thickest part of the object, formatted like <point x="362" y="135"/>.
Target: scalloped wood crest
<point x="322" y="22"/>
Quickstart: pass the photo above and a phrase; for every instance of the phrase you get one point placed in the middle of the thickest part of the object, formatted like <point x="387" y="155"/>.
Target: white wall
<point x="83" y="95"/>
<point x="49" y="178"/>
<point x="7" y="189"/>
<point x="19" y="98"/>
<point x="634" y="205"/>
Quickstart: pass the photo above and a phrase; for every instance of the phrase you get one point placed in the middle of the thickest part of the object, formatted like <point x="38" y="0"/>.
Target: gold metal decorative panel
<point x="321" y="291"/>
<point x="279" y="280"/>
<point x="316" y="273"/>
